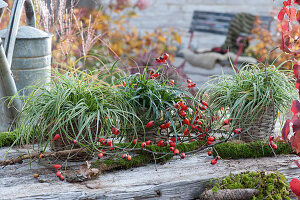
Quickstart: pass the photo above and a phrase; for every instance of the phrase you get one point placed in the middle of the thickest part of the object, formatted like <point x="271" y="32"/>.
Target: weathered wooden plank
<point x="177" y="179"/>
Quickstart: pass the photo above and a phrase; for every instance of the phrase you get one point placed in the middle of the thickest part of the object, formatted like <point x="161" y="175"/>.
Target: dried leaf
<point x="86" y="170"/>
<point x="177" y="37"/>
<point x="88" y="164"/>
<point x="162" y="38"/>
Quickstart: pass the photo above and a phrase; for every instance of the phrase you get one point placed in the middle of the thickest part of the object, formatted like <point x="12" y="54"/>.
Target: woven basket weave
<point x="152" y="136"/>
<point x="262" y="127"/>
<point x="63" y="143"/>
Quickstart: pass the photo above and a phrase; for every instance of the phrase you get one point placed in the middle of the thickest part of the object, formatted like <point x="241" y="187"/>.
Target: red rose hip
<point x="182" y="155"/>
<point x="213" y="162"/>
<point x="176" y="152"/>
<point x="56" y="137"/>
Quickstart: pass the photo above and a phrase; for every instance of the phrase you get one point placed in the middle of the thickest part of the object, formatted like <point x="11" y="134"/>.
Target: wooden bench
<point x="218" y="23"/>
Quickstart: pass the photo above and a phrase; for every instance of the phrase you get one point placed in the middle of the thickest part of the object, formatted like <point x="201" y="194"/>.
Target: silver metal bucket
<point x="31" y="62"/>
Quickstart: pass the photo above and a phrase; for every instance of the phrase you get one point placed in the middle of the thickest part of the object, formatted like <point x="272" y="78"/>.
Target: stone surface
<point x="177" y="179"/>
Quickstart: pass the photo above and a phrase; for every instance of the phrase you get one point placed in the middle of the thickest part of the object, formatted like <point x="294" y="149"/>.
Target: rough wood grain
<point x="177" y="179"/>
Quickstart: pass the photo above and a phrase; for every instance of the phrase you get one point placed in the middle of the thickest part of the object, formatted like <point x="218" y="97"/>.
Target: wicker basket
<point x="63" y="143"/>
<point x="152" y="136"/>
<point x="262" y="127"/>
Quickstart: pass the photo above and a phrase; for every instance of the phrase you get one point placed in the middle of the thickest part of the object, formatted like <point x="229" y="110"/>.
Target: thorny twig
<point x="212" y="145"/>
<point x="75" y="151"/>
<point x="20" y="159"/>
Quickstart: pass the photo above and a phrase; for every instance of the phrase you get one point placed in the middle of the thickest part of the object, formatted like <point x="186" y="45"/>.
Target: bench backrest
<point x="218" y="23"/>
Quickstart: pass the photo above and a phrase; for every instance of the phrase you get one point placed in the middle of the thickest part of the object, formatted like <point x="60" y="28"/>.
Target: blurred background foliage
<point x="101" y="35"/>
<point x="263" y="41"/>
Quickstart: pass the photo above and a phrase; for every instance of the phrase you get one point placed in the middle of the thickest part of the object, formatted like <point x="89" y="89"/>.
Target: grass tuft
<point x="246" y="95"/>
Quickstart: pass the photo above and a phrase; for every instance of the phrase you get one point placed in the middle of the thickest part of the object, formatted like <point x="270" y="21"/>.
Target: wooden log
<point x="38" y="155"/>
<point x="233" y="194"/>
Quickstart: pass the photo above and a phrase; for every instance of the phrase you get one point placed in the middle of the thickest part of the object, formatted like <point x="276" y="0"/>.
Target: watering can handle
<point x="13" y="25"/>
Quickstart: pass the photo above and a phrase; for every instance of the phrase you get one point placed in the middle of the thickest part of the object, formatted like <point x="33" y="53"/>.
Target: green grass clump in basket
<point x="77" y="107"/>
<point x="154" y="99"/>
<point x="245" y="94"/>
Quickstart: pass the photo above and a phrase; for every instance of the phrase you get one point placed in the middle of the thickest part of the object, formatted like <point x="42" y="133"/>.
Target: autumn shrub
<point x="265" y="41"/>
<point x="105" y="33"/>
<point x="289" y="17"/>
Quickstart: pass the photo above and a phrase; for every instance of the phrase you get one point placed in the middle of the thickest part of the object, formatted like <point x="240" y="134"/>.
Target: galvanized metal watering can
<point x="25" y="59"/>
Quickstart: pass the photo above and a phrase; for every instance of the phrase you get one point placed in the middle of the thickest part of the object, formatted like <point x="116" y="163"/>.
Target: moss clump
<point x="144" y="157"/>
<point x="255" y="149"/>
<point x="271" y="186"/>
<point x="7" y="138"/>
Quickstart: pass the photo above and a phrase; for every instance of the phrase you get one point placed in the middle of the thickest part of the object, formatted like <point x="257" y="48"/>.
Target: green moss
<point x="145" y="157"/>
<point x="255" y="149"/>
<point x="7" y="138"/>
<point x="271" y="186"/>
<point x="225" y="150"/>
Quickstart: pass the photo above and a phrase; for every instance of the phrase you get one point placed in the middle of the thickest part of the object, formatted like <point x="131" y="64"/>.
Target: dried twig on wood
<point x="38" y="155"/>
